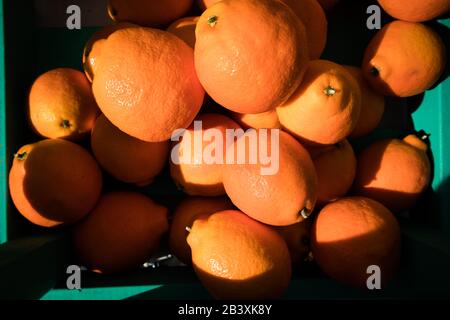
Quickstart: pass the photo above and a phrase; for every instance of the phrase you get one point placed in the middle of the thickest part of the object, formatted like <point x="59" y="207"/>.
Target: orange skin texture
<point x="61" y="105"/>
<point x="316" y="118"/>
<point x="92" y="49"/>
<point x="336" y="169"/>
<point x="313" y="17"/>
<point x="415" y="10"/>
<point x="185" y="30"/>
<point x="394" y="172"/>
<point x="47" y="185"/>
<point x="145" y="83"/>
<point x="234" y="56"/>
<point x="297" y="237"/>
<point x="276" y="199"/>
<point x="236" y="257"/>
<point x="352" y="234"/>
<point x="126" y="158"/>
<point x="265" y="120"/>
<point x="147" y="13"/>
<point x="122" y="231"/>
<point x="328" y="4"/>
<point x="407" y="58"/>
<point x="372" y="105"/>
<point x="198" y="177"/>
<point x="184" y="216"/>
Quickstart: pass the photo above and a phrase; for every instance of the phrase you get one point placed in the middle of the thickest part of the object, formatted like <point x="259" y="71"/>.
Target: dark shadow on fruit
<point x="413" y="103"/>
<point x="347" y="259"/>
<point x="395" y="201"/>
<point x="396" y="115"/>
<point x="444" y="32"/>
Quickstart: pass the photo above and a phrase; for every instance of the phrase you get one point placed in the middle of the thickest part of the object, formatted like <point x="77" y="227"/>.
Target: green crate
<point x="33" y="260"/>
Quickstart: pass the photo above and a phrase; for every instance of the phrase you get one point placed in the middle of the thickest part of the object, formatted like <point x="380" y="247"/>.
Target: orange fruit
<point x="394" y="172"/>
<point x="267" y="120"/>
<point x="372" y="105"/>
<point x="145" y="83"/>
<point x="126" y="158"/>
<point x="236" y="257"/>
<point x="185" y="29"/>
<point x="336" y="168"/>
<point x="351" y="234"/>
<point x="328" y="4"/>
<point x="415" y="10"/>
<point x="297" y="237"/>
<point x="313" y="17"/>
<point x="61" y="104"/>
<point x="404" y="59"/>
<point x="326" y="106"/>
<point x="54" y="182"/>
<point x="206" y="3"/>
<point x="122" y="231"/>
<point x="281" y="195"/>
<point x="198" y="171"/>
<point x="235" y="57"/>
<point x="185" y="215"/>
<point x="92" y="49"/>
<point x="148" y="13"/>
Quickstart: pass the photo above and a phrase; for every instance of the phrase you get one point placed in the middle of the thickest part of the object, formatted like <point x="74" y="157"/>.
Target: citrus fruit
<point x="326" y="106"/>
<point x="352" y="234"/>
<point x="184" y="216"/>
<point x="250" y="55"/>
<point x="275" y="181"/>
<point x="54" y="182"/>
<point x="61" y="105"/>
<point x="415" y="10"/>
<point x="394" y="172"/>
<point x="336" y="168"/>
<point x="122" y="231"/>
<point x="404" y="59"/>
<point x="148" y="13"/>
<point x="126" y="158"/>
<point x="145" y="83"/>
<point x="372" y="105"/>
<point x="185" y="29"/>
<point x="198" y="158"/>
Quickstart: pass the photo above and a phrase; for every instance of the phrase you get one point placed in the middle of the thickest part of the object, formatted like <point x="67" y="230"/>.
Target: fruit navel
<point x="212" y="21"/>
<point x="65" y="124"/>
<point x="305" y="213"/>
<point x="374" y="71"/>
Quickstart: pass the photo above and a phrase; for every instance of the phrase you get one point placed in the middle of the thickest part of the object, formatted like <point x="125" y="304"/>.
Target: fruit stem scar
<point x="21" y="156"/>
<point x="212" y="21"/>
<point x="329" y="91"/>
<point x="374" y="71"/>
<point x="65" y="124"/>
<point x="305" y="213"/>
<point x="339" y="145"/>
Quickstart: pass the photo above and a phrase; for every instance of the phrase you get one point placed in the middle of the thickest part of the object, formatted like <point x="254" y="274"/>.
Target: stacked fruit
<point x="242" y="223"/>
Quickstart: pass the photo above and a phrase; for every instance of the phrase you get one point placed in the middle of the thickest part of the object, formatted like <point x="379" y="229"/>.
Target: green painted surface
<point x="111" y="293"/>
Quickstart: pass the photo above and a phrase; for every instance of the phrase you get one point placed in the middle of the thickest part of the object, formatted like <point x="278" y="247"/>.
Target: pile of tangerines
<point x="260" y="61"/>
